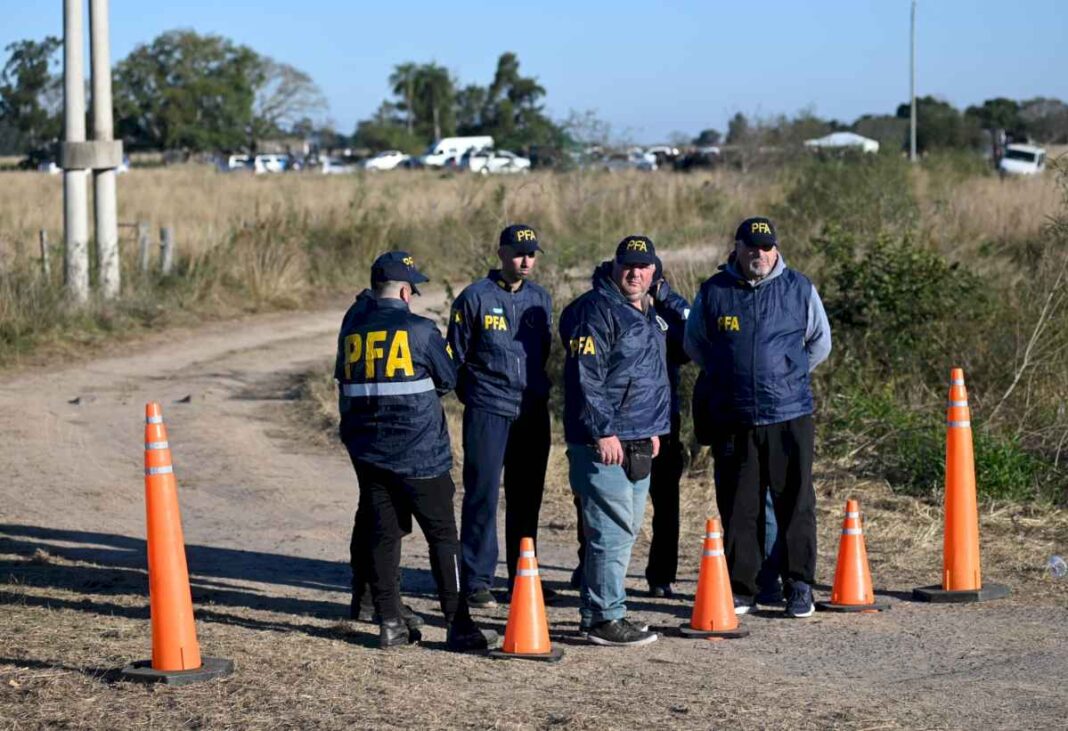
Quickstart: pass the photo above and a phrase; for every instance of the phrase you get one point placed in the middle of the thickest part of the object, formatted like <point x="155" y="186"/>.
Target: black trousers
<point x="387" y="498"/>
<point x="519" y="447"/>
<point x="360" y="552"/>
<point x="778" y="456"/>
<point x="664" y="492"/>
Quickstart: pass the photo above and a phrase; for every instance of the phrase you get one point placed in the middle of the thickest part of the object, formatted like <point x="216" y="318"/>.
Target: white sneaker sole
<point x="801" y="615"/>
<point x="743" y="610"/>
<point x="593" y="639"/>
<point x="585" y="633"/>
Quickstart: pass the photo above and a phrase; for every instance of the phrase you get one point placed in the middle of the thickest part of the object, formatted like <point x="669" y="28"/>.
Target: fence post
<point x="144" y="244"/>
<point x="166" y="250"/>
<point x="46" y="265"/>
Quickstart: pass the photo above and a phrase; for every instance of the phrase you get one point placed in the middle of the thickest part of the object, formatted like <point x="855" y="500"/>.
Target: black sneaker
<point x="619" y="633"/>
<point x="799" y="600"/>
<point x="661" y="591"/>
<point x="743" y="604"/>
<point x="584" y="627"/>
<point x="481" y="599"/>
<point x="465" y="636"/>
<point x="771" y="594"/>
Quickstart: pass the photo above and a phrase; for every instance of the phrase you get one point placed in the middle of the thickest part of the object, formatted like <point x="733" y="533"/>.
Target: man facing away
<point x="617" y="403"/>
<point x="500" y="332"/>
<point x="392" y="368"/>
<point x="757" y="328"/>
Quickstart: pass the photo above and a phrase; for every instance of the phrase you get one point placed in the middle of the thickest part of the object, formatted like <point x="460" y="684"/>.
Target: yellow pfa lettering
<point x="760" y="227"/>
<point x="637" y="245"/>
<point x="726" y="323"/>
<point x="400" y="356"/>
<point x="353" y="351"/>
<point x="582" y="345"/>
<point x="524" y="234"/>
<point x="373" y="351"/>
<point x="408" y="261"/>
<point x="457" y="317"/>
<point x="494" y="322"/>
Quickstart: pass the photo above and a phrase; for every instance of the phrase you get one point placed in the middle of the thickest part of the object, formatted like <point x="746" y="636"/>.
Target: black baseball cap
<point x="636" y="250"/>
<point x="396" y="266"/>
<point x="757" y="231"/>
<point x="520" y="237"/>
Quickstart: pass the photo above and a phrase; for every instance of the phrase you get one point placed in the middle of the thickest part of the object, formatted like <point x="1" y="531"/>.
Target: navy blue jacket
<point x="756" y="344"/>
<point x="673" y="309"/>
<point x="392" y="367"/>
<point x="501" y="342"/>
<point x="615" y="375"/>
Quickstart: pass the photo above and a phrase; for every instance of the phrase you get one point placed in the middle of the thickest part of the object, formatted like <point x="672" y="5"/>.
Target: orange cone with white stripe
<point x="176" y="656"/>
<point x="961" y="576"/>
<point x="713" y="607"/>
<point x="527" y="635"/>
<point x="852" y="591"/>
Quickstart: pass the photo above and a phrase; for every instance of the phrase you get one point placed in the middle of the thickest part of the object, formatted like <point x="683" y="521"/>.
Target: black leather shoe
<point x="413" y="620"/>
<point x="465" y="636"/>
<point x="394" y="632"/>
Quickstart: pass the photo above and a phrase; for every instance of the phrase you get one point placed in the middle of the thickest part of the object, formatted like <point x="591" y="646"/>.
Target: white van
<point x="451" y="148"/>
<point x="1022" y="160"/>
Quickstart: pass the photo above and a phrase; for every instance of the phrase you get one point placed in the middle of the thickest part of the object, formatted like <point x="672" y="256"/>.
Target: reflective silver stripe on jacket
<point x="403" y="388"/>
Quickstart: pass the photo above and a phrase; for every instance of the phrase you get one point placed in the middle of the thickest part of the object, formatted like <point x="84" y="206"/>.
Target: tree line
<point x="198" y="93"/>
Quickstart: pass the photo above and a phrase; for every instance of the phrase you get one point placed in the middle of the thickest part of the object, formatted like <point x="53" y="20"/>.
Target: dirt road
<point x="267" y="518"/>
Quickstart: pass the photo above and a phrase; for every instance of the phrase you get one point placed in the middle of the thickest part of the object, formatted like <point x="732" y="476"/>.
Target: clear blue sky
<point x="648" y="68"/>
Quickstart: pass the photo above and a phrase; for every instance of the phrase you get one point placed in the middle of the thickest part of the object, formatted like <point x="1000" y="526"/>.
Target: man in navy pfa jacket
<point x="617" y="403"/>
<point x="757" y="329"/>
<point x="500" y="334"/>
<point x="392" y="367"/>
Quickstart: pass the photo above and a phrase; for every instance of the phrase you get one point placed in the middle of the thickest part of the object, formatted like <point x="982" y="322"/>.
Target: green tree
<point x="470" y="105"/>
<point x="513" y="112"/>
<point x="1045" y="119"/>
<point x="434" y="101"/>
<point x="939" y="125"/>
<point x="737" y="129"/>
<point x="707" y="137"/>
<point x="187" y="91"/>
<point x="387" y="131"/>
<point x="30" y="92"/>
<point x="403" y="82"/>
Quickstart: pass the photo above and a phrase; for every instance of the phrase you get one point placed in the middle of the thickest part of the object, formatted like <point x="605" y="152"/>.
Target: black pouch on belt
<point x="637" y="458"/>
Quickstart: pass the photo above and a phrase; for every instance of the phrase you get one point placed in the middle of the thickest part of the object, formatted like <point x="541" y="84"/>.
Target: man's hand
<point x="609" y="450"/>
<point x="656" y="446"/>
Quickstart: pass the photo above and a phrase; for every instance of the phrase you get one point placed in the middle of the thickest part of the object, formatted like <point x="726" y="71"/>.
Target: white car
<point x="270" y="164"/>
<point x="448" y="150"/>
<point x="633" y="160"/>
<point x="335" y="166"/>
<point x="1022" y="160"/>
<point x="385" y="160"/>
<point x="494" y="161"/>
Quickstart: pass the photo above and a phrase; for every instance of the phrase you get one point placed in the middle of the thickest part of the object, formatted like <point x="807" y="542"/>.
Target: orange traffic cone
<point x="175" y="653"/>
<point x="713" y="607"/>
<point x="852" y="590"/>
<point x="527" y="635"/>
<point x="961" y="580"/>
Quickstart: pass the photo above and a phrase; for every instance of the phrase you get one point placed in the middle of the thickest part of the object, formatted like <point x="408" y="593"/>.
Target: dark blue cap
<point x="636" y="250"/>
<point x="520" y="237"/>
<point x="396" y="266"/>
<point x="757" y="231"/>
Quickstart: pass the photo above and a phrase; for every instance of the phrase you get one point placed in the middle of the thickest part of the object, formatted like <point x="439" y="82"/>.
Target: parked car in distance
<point x="335" y="166"/>
<point x="488" y="161"/>
<point x="635" y="159"/>
<point x="234" y="162"/>
<point x="702" y="157"/>
<point x="664" y="155"/>
<point x="270" y="163"/>
<point x="452" y="148"/>
<point x="1022" y="160"/>
<point x="385" y="160"/>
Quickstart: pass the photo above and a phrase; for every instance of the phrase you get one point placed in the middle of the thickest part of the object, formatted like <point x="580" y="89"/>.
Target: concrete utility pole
<point x="912" y="84"/>
<point x="75" y="193"/>
<point x="107" y="227"/>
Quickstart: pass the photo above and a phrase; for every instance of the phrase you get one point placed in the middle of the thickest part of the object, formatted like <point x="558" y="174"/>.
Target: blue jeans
<point x="612" y="512"/>
<point x="771" y="567"/>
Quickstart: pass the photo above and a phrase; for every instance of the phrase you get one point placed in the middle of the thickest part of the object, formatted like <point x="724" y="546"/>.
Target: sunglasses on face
<point x="763" y="247"/>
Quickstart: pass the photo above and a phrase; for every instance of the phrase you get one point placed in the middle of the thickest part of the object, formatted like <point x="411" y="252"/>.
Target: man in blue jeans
<point x="617" y="403"/>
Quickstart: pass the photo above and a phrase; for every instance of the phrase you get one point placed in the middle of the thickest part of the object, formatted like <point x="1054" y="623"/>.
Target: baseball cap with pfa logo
<point x="757" y="232"/>
<point x="636" y="250"/>
<point x="396" y="266"/>
<point x="521" y="238"/>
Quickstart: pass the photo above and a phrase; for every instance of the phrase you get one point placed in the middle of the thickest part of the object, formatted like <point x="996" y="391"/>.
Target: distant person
<point x="392" y="367"/>
<point x="757" y="329"/>
<point x="617" y="404"/>
<point x="500" y="332"/>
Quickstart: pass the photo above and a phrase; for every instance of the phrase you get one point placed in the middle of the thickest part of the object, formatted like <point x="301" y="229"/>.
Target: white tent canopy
<point x="843" y="140"/>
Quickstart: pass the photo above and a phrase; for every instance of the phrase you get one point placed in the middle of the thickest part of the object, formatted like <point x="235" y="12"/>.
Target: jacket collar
<point x="391" y="303"/>
<point x="495" y="277"/>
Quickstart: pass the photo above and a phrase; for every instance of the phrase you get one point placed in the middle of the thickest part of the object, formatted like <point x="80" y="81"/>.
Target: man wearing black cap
<point x="392" y="367"/>
<point x="617" y="403"/>
<point x="757" y="329"/>
<point x="500" y="334"/>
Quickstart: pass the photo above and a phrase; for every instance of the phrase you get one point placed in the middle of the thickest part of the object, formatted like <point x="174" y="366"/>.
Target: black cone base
<point x="210" y="668"/>
<point x="553" y="655"/>
<point x="727" y="634"/>
<point x="937" y="595"/>
<point x="830" y="607"/>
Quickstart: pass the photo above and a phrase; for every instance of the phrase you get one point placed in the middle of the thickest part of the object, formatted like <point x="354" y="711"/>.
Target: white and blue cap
<point x="397" y="266"/>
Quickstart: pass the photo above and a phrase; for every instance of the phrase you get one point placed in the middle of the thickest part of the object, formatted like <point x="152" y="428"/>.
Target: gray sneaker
<point x="619" y="633"/>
